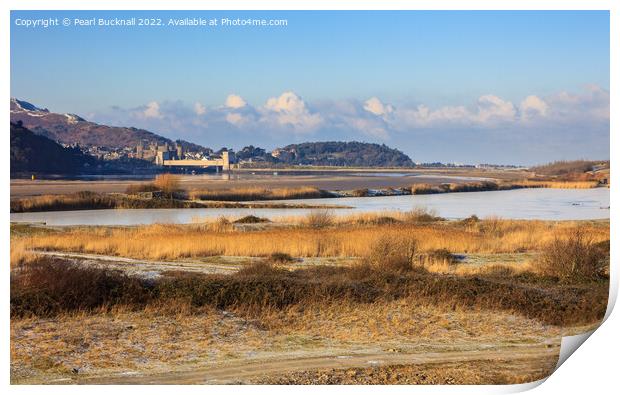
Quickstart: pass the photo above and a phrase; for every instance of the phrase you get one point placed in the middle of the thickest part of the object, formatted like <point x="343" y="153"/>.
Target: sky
<point x="513" y="87"/>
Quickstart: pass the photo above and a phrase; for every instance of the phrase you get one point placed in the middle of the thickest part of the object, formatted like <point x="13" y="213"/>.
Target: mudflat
<point x="337" y="179"/>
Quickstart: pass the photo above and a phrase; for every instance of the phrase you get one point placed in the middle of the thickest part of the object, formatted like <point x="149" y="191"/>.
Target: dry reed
<point x="247" y="194"/>
<point x="345" y="240"/>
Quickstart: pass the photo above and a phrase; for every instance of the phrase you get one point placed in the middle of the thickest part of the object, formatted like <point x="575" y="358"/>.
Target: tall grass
<point x="19" y="254"/>
<point x="76" y="201"/>
<point x="339" y="240"/>
<point x="168" y="184"/>
<point x="87" y="200"/>
<point x="426" y="189"/>
<point x="247" y="194"/>
<point x="576" y="184"/>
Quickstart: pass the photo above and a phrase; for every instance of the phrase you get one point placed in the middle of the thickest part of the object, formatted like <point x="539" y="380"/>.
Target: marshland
<point x="455" y="277"/>
<point x="304" y="299"/>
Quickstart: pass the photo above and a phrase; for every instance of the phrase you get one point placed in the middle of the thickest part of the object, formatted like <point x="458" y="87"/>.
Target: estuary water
<point x="540" y="203"/>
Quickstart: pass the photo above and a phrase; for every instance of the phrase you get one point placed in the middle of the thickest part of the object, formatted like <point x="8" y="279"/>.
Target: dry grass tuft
<point x="167" y="183"/>
<point x="19" y="255"/>
<point x="220" y="225"/>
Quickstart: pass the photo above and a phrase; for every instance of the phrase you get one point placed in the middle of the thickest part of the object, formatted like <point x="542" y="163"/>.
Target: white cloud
<point x="375" y="106"/>
<point x="287" y="117"/>
<point x="533" y="106"/>
<point x="235" y="118"/>
<point x="286" y="102"/>
<point x="493" y="108"/>
<point x="152" y="110"/>
<point x="199" y="108"/>
<point x="290" y="110"/>
<point x="235" y="101"/>
<point x="422" y="116"/>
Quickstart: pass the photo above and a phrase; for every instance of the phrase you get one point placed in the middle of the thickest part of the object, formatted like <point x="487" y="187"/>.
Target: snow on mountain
<point x="20" y="105"/>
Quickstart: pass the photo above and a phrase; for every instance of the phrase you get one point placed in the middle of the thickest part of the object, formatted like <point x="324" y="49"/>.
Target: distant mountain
<point x="24" y="105"/>
<point x="38" y="154"/>
<point x="338" y="153"/>
<point x="73" y="129"/>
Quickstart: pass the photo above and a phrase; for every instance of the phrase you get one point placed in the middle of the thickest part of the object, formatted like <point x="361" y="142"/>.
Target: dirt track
<point x="207" y="265"/>
<point x="243" y="371"/>
<point x="146" y="267"/>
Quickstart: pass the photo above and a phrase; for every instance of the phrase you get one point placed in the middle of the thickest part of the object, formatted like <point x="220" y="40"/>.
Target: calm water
<point x="547" y="204"/>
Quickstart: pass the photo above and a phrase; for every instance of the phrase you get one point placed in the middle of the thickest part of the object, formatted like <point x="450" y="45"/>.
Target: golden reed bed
<point x="338" y="237"/>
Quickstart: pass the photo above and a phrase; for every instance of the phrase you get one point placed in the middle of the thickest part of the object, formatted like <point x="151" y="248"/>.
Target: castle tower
<point x="225" y="161"/>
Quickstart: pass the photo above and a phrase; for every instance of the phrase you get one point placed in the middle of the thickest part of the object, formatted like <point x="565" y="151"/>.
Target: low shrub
<point x="49" y="287"/>
<point x="393" y="254"/>
<point x="471" y="220"/>
<point x="319" y="219"/>
<point x="281" y="258"/>
<point x="573" y="258"/>
<point x="250" y="219"/>
<point x="419" y="215"/>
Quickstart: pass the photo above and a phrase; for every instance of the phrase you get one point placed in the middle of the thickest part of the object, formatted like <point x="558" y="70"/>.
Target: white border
<point x="592" y="369"/>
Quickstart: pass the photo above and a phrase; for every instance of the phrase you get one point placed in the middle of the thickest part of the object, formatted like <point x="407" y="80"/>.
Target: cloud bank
<point x="532" y="130"/>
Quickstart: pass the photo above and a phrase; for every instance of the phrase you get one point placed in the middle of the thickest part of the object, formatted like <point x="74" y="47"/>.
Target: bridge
<point x="223" y="162"/>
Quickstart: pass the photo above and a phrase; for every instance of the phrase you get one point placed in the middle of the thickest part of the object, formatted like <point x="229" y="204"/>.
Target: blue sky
<point x="486" y="81"/>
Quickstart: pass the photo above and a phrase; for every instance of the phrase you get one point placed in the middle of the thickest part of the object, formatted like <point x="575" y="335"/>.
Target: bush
<point x="281" y="258"/>
<point x="48" y="286"/>
<point x="251" y="219"/>
<point x="53" y="286"/>
<point x="393" y="254"/>
<point x="320" y="218"/>
<point x="421" y="215"/>
<point x="574" y="258"/>
<point x="471" y="220"/>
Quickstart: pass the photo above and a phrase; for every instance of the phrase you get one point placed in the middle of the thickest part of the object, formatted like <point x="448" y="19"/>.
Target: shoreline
<point x="253" y="197"/>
